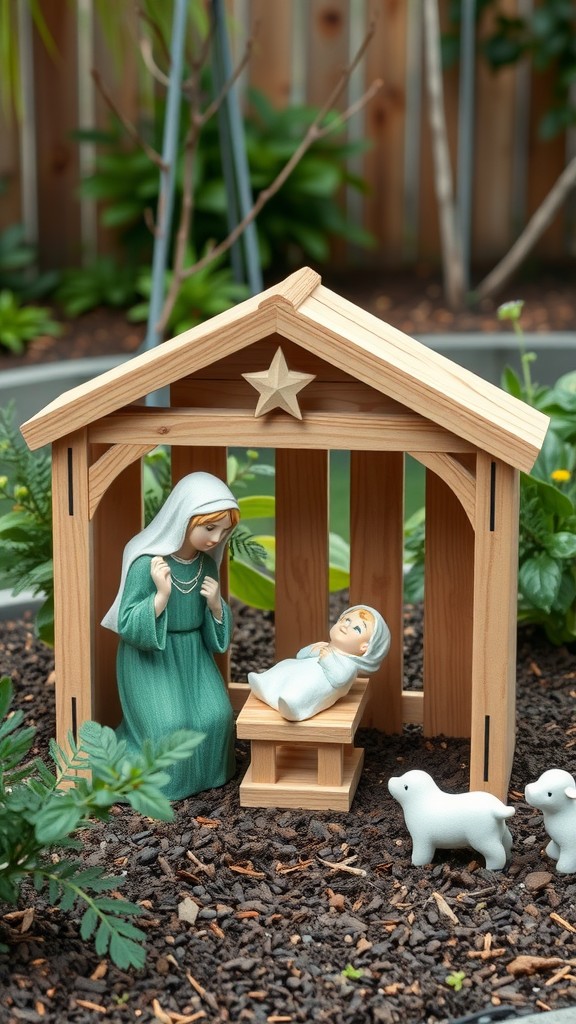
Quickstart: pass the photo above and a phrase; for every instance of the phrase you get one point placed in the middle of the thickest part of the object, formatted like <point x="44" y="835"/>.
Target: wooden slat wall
<point x="298" y="54"/>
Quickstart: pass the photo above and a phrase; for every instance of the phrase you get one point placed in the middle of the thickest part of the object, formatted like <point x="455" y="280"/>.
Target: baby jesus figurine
<point x="323" y="672"/>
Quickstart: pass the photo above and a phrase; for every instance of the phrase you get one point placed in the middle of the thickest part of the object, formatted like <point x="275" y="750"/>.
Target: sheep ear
<point x="570" y="791"/>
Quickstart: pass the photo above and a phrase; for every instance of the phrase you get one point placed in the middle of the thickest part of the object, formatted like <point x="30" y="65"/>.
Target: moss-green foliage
<point x="40" y="812"/>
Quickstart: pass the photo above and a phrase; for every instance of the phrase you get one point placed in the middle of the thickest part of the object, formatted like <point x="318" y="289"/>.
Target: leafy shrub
<point x="20" y="324"/>
<point x="26" y="528"/>
<point x="297" y="224"/>
<point x="17" y="266"/>
<point x="40" y="812"/>
<point x="547" y="539"/>
<point x="209" y="291"/>
<point x="104" y="282"/>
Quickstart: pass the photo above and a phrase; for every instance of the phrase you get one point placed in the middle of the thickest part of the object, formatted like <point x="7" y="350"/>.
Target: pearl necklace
<point x="187" y="586"/>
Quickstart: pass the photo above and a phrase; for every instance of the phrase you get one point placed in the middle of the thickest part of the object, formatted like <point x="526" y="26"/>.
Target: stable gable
<point x="319" y="332"/>
<point x="416" y="376"/>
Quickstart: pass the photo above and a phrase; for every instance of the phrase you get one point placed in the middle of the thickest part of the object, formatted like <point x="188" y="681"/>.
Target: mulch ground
<point x="287" y="899"/>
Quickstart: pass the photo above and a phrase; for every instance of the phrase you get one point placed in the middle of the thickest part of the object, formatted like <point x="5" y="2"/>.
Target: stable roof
<point x="303" y="311"/>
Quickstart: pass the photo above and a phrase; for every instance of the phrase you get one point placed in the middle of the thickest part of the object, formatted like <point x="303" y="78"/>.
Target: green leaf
<point x="539" y="580"/>
<point x="88" y="923"/>
<point x="257" y="506"/>
<point x="561" y="545"/>
<point x="6" y="694"/>
<point x="58" y="819"/>
<point x="511" y="383"/>
<point x="251" y="587"/>
<point x="339" y="552"/>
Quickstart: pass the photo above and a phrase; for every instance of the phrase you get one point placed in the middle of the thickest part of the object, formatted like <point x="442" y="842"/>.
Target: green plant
<point x="104" y="282"/>
<point x="547" y="555"/>
<point x="307" y="214"/>
<point x="26" y="526"/>
<point x="17" y="266"/>
<point x="20" y="324"/>
<point x="297" y="224"/>
<point x="545" y="33"/>
<point x="352" y="973"/>
<point x="455" y="980"/>
<point x="201" y="296"/>
<point x="40" y="813"/>
<point x="547" y="538"/>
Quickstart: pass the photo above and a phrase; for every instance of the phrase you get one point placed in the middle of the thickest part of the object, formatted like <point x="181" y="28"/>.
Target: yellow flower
<point x="561" y="476"/>
<point x="20" y="492"/>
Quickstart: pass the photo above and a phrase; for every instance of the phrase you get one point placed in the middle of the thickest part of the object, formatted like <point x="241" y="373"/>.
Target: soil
<point x="287" y="899"/>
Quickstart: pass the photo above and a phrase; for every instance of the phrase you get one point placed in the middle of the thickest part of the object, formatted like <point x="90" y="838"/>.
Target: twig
<point x="344" y="866"/>
<point x="130" y="128"/>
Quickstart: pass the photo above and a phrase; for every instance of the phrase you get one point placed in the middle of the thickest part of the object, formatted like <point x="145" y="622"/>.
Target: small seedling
<point x="353" y="973"/>
<point x="455" y="979"/>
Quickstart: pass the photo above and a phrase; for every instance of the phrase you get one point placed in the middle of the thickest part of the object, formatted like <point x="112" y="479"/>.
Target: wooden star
<point x="278" y="387"/>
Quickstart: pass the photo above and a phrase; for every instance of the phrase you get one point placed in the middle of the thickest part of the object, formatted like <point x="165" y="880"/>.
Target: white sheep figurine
<point x="555" y="795"/>
<point x="446" y="821"/>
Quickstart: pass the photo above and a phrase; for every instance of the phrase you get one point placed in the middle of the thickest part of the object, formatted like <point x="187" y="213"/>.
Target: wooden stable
<point x="371" y="390"/>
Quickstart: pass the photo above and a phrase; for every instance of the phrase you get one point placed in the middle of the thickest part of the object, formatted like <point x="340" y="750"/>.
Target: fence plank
<point x="300" y="52"/>
<point x="493" y="231"/>
<point x="546" y="163"/>
<point x="11" y="198"/>
<point x="385" y="126"/>
<point x="56" y="118"/>
<point x="271" y="61"/>
<point x="326" y="48"/>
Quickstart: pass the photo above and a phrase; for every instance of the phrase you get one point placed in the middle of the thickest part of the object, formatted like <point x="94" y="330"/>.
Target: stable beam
<point x="72" y="585"/>
<point x="494" y="629"/>
<point x="301" y="614"/>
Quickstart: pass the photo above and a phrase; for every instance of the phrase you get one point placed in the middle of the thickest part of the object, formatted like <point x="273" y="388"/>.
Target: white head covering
<point x="195" y="495"/>
<point x="378" y="644"/>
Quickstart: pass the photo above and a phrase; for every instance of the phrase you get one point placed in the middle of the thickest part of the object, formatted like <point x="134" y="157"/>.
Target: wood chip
<point x="207" y="997"/>
<point x="344" y="866"/>
<point x="165" y="867"/>
<point x="288" y="869"/>
<point x="97" y="1007"/>
<point x="208" y="869"/>
<point x="208" y="822"/>
<point x="216" y="929"/>
<point x="241" y="915"/>
<point x="485" y="954"/>
<point x="100" y="971"/>
<point x="532" y="964"/>
<point x="563" y="924"/>
<point x="444" y="908"/>
<point x="558" y="976"/>
<point x="249" y="870"/>
<point x="159" y="1013"/>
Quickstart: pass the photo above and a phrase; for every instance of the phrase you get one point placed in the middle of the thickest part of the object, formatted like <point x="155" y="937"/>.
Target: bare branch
<point x="312" y="135"/>
<point x="148" y="58"/>
<point x="314" y="132"/>
<point x="130" y="128"/>
<point x="451" y="250"/>
<point x="144" y="16"/>
<point x="535" y="227"/>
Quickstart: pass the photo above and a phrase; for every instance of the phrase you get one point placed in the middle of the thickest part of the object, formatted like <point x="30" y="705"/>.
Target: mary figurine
<point x="171" y="620"/>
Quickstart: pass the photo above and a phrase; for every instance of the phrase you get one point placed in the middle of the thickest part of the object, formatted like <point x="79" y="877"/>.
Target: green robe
<point x="167" y="677"/>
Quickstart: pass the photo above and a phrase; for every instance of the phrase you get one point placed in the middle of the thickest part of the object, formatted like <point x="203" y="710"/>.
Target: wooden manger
<point x="376" y="393"/>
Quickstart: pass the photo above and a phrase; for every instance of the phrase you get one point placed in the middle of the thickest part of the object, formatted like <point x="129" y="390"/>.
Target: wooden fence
<point x="299" y="51"/>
